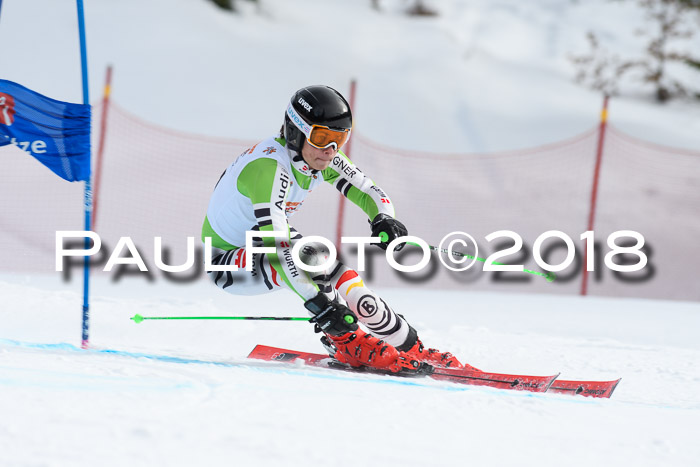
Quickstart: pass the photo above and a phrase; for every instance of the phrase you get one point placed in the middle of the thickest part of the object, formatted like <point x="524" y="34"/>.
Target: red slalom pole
<point x="594" y="189"/>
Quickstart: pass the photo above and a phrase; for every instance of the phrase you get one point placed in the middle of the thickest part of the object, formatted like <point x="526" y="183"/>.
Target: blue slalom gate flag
<point x="55" y="133"/>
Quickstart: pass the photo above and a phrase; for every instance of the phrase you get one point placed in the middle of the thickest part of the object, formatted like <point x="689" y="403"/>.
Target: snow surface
<point x="182" y="392"/>
<point x="484" y="76"/>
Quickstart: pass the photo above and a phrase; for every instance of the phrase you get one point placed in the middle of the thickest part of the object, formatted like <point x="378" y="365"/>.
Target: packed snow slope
<point x="482" y="76"/>
<point x="182" y="392"/>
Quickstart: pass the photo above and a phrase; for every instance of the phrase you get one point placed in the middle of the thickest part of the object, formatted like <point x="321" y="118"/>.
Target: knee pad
<point x="314" y="254"/>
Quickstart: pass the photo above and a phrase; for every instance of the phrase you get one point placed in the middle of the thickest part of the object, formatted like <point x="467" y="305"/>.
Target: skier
<point x="264" y="186"/>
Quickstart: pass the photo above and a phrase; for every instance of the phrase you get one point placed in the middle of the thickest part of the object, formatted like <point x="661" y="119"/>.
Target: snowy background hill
<point x="482" y="76"/>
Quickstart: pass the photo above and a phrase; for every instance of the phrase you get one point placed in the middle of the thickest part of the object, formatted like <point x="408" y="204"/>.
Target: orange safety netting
<point x="157" y="182"/>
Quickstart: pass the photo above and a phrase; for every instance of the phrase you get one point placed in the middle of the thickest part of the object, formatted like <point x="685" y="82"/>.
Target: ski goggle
<point x="318" y="136"/>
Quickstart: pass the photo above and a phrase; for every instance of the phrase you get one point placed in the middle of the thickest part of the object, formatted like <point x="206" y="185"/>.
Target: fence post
<point x="101" y="145"/>
<point x="594" y="188"/>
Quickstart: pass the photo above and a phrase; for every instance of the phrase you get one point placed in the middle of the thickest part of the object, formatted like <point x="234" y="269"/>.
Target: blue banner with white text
<point x="56" y="133"/>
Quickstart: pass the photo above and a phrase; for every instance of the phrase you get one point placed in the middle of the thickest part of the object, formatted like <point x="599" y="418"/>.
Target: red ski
<point x="495" y="380"/>
<point x="455" y="375"/>
<point x="585" y="388"/>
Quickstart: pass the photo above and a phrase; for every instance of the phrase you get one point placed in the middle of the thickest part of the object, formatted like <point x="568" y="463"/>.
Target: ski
<point x="585" y="388"/>
<point x="495" y="380"/>
<point x="599" y="389"/>
<point x="455" y="375"/>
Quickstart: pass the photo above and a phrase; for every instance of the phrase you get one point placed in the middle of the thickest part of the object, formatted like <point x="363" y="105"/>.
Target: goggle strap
<point x="298" y="121"/>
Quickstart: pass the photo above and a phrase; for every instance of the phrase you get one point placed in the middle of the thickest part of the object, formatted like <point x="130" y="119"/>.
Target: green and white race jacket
<point x="264" y="186"/>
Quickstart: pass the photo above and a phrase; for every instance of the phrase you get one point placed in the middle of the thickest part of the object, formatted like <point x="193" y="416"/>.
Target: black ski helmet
<point x="317" y="105"/>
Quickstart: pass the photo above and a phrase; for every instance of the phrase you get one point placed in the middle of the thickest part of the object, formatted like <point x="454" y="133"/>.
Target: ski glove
<point x="330" y="317"/>
<point x="393" y="229"/>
